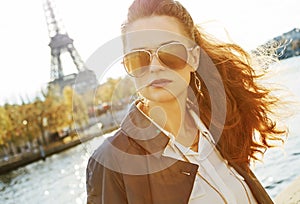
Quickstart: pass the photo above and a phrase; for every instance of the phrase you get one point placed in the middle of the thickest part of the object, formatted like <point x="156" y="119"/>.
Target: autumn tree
<point x="125" y="88"/>
<point x="40" y="118"/>
<point x="5" y="128"/>
<point x="15" y="136"/>
<point x="29" y="125"/>
<point x="56" y="115"/>
<point x="114" y="91"/>
<point x="76" y="108"/>
<point x="105" y="91"/>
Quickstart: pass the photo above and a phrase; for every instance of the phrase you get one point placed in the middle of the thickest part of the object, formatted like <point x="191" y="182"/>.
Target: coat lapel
<point x="144" y="132"/>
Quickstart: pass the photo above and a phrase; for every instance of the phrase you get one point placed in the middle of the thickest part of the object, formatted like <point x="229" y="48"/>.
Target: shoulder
<point x="117" y="143"/>
<point x="111" y="146"/>
<point x="114" y="151"/>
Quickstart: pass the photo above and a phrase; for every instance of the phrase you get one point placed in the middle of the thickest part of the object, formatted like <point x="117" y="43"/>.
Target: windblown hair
<point x="248" y="104"/>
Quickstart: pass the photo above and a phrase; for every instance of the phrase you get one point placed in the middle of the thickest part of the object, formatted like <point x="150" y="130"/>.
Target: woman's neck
<point x="169" y="115"/>
<point x="173" y="117"/>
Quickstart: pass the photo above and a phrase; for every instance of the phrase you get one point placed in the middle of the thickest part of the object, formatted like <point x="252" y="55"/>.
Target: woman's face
<point x="160" y="83"/>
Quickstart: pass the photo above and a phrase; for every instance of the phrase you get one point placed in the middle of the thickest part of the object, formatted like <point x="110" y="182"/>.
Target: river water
<point x="61" y="178"/>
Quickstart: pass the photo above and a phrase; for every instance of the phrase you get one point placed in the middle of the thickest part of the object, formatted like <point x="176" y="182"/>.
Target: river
<point x="61" y="177"/>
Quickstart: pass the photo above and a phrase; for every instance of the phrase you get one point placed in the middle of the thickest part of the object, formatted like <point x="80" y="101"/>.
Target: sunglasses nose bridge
<point x="152" y="53"/>
<point x="155" y="63"/>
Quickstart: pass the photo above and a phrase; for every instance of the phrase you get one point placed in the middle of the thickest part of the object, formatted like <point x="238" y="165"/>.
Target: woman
<point x="190" y="138"/>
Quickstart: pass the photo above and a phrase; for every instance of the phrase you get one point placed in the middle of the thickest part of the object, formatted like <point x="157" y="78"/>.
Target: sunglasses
<point x="173" y="55"/>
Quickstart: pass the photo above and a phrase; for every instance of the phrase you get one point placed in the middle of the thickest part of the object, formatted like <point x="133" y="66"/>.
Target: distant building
<point x="289" y="44"/>
<point x="81" y="82"/>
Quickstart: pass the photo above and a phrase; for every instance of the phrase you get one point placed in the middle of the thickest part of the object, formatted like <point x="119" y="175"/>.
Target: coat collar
<point x="146" y="133"/>
<point x="143" y="131"/>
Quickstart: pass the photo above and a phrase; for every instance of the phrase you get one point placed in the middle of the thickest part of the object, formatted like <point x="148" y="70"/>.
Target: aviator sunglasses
<point x="172" y="55"/>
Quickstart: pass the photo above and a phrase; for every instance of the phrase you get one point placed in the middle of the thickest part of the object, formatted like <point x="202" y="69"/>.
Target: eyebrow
<point x="164" y="43"/>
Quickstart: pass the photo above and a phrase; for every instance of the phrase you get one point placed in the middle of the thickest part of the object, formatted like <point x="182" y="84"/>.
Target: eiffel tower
<point x="60" y="42"/>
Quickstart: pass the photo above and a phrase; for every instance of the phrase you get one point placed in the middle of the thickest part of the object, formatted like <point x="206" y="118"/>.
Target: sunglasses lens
<point x="136" y="63"/>
<point x="173" y="56"/>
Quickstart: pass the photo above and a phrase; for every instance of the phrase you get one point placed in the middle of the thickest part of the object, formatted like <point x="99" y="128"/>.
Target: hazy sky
<point x="25" y="55"/>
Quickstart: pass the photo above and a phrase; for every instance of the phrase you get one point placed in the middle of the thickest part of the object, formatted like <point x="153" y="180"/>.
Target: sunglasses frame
<point x="152" y="52"/>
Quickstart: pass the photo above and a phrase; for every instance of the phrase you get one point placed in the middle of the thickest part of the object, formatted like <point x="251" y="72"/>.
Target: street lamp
<point x="25" y="122"/>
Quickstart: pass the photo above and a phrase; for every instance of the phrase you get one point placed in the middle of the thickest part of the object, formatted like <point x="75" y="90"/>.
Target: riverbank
<point x="43" y="152"/>
<point x="291" y="194"/>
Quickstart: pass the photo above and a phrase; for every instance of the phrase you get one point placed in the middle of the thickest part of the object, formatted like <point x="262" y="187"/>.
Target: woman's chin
<point x="160" y="96"/>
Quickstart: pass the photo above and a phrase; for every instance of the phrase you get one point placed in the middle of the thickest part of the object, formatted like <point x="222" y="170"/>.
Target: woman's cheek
<point x="139" y="84"/>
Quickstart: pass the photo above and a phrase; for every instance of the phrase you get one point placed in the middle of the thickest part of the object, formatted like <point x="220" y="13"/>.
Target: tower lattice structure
<point x="60" y="42"/>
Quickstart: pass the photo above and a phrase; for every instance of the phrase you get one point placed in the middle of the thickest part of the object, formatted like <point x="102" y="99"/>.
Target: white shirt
<point x="215" y="178"/>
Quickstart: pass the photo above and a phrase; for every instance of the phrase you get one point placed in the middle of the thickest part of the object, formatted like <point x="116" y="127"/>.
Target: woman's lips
<point x="160" y="83"/>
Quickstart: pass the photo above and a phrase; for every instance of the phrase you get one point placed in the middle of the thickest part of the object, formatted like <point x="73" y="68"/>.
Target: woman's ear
<point x="195" y="57"/>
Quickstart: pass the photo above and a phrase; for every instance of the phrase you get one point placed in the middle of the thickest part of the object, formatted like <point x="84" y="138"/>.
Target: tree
<point x="52" y="111"/>
<point x="15" y="135"/>
<point x="29" y="125"/>
<point x="105" y="91"/>
<point x="76" y="108"/>
<point x="125" y="88"/>
<point x="5" y="128"/>
<point x="56" y="115"/>
<point x="39" y="114"/>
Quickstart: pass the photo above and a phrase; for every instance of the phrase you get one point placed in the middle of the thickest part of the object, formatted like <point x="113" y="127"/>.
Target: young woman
<point x="200" y="120"/>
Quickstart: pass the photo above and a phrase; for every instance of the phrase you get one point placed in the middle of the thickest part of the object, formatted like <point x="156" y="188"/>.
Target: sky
<point x="25" y="55"/>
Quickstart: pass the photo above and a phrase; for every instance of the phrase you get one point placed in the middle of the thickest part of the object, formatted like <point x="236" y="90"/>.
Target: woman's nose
<point x="155" y="64"/>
